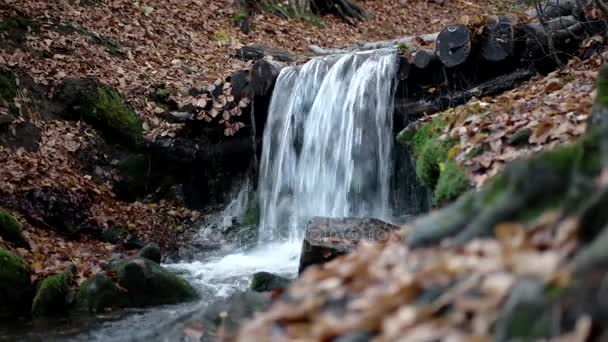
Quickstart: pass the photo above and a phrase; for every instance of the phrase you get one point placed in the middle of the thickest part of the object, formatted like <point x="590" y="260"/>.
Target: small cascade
<point x="328" y="142"/>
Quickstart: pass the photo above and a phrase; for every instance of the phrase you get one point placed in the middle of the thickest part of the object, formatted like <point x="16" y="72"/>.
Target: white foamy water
<point x="224" y="275"/>
<point x="326" y="152"/>
<point x="328" y="142"/>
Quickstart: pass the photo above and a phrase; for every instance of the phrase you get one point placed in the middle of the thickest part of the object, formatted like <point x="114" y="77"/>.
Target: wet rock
<point x="15" y="284"/>
<point x="526" y="315"/>
<point x="53" y="294"/>
<point x="228" y="314"/>
<point x="112" y="235"/>
<point x="266" y="281"/>
<point x="328" y="238"/>
<point x="148" y="283"/>
<point x="138" y="282"/>
<point x="10" y="230"/>
<point x="101" y="106"/>
<point x="151" y="251"/>
<point x="133" y="242"/>
<point x="100" y="293"/>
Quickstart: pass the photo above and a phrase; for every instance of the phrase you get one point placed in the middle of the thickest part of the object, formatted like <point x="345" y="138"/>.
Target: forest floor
<point x="137" y="45"/>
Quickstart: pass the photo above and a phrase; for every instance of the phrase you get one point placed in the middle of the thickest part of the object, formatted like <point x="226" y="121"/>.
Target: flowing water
<point x="326" y="152"/>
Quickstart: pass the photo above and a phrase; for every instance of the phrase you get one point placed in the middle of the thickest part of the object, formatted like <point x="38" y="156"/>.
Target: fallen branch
<point x="383" y="44"/>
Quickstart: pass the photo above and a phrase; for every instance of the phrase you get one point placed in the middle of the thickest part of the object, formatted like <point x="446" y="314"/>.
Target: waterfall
<point x="327" y="142"/>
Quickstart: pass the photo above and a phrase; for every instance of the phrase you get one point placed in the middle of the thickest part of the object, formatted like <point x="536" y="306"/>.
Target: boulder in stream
<point x="137" y="282"/>
<point x="15" y="284"/>
<point x="327" y="238"/>
<point x="266" y="281"/>
<point x="53" y="294"/>
<point x="10" y="229"/>
<point x="151" y="251"/>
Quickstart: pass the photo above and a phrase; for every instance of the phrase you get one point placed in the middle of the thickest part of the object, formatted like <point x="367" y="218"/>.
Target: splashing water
<point x="327" y="143"/>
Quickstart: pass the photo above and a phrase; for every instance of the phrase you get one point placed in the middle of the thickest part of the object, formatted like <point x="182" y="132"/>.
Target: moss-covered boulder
<point x="147" y="283"/>
<point x="151" y="251"/>
<point x="101" y="293"/>
<point x="52" y="296"/>
<point x="434" y="159"/>
<point x="15" y="284"/>
<point x="266" y="281"/>
<point x="137" y="282"/>
<point x="101" y="106"/>
<point x="11" y="230"/>
<point x="8" y="86"/>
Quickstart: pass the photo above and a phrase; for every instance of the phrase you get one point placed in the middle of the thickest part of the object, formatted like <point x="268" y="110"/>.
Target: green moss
<point x="13" y="23"/>
<point x="51" y="295"/>
<point x="434" y="165"/>
<point x="15" y="284"/>
<point x="100" y="293"/>
<point x="252" y="214"/>
<point x="8" y="86"/>
<point x="239" y="17"/>
<point x="452" y="182"/>
<point x="111" y="111"/>
<point x="10" y="229"/>
<point x="602" y="86"/>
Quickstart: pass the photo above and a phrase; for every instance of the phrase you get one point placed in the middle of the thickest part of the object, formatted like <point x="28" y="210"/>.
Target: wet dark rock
<point x="148" y="283"/>
<point x="15" y="285"/>
<point x="112" y="235"/>
<point x="100" y="293"/>
<point x="266" y="281"/>
<point x="328" y="238"/>
<point x="228" y="314"/>
<point x="66" y="212"/>
<point x="11" y="230"/>
<point x="133" y="242"/>
<point x="140" y="282"/>
<point x="151" y="251"/>
<point x="53" y="294"/>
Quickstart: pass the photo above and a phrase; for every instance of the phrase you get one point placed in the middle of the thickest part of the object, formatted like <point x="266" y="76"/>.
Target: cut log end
<point x="454" y="45"/>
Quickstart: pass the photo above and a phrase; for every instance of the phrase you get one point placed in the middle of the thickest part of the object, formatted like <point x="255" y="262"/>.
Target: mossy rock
<point x="52" y="295"/>
<point x="452" y="182"/>
<point x="101" y="106"/>
<point x="151" y="251"/>
<point x="435" y="166"/>
<point x="100" y="293"/>
<point x="252" y="214"/>
<point x="11" y="229"/>
<point x="8" y="86"/>
<point x="15" y="284"/>
<point x="112" y="235"/>
<point x="147" y="283"/>
<point x="266" y="281"/>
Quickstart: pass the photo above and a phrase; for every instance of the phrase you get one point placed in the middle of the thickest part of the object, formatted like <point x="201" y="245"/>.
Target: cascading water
<point x="327" y="143"/>
<point x="326" y="152"/>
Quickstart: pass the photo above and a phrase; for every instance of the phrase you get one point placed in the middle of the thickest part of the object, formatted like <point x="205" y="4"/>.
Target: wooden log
<point x="406" y="108"/>
<point x="423" y="58"/>
<point x="264" y="74"/>
<point x="453" y="45"/>
<point x="256" y="52"/>
<point x="555" y="37"/>
<point x="497" y="40"/>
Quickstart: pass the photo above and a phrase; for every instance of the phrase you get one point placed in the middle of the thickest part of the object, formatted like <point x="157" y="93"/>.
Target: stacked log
<point x="478" y="60"/>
